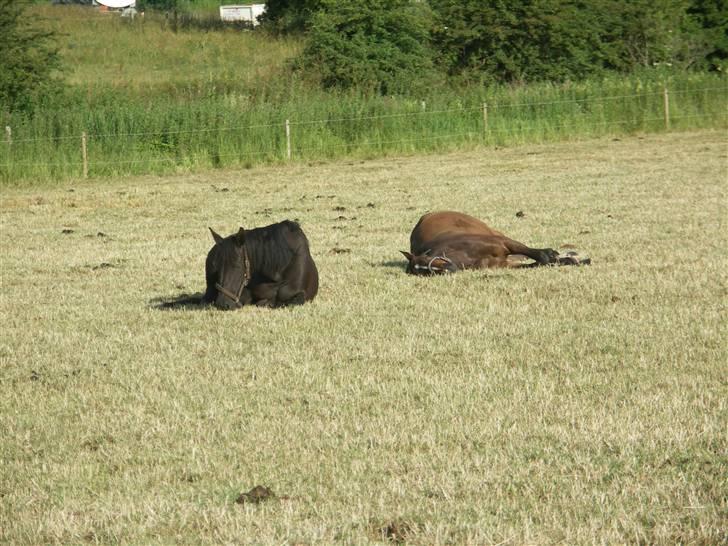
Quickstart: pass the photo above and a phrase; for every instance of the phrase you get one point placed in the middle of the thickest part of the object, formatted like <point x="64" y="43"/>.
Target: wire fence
<point x="416" y="129"/>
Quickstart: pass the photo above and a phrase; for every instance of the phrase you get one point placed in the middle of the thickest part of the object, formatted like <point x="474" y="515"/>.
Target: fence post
<point x="288" y="140"/>
<point x="667" y="108"/>
<point x="84" y="154"/>
<point x="8" y="135"/>
<point x="485" y="117"/>
<point x="424" y="105"/>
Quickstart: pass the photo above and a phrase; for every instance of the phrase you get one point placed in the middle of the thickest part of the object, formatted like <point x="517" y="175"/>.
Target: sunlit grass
<point x="145" y="57"/>
<point x="575" y="405"/>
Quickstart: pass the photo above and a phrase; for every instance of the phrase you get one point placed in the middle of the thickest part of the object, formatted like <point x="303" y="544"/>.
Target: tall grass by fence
<point x="133" y="139"/>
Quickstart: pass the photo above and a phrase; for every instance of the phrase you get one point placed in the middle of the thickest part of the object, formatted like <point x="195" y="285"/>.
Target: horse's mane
<point x="268" y="248"/>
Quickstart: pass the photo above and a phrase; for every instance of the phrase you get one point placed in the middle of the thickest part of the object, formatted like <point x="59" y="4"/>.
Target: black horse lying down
<point x="267" y="266"/>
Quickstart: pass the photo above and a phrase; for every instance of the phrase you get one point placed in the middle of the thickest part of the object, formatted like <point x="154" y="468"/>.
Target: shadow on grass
<point x="183" y="301"/>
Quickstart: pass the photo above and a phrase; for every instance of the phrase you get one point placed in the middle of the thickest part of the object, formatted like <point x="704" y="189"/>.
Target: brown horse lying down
<point x="447" y="241"/>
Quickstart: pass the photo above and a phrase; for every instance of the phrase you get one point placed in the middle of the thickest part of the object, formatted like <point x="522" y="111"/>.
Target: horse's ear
<point x="240" y="236"/>
<point x="218" y="238"/>
<point x="407" y="255"/>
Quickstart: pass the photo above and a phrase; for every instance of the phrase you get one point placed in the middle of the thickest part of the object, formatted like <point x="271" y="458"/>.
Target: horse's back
<point x="305" y="270"/>
<point x="312" y="279"/>
<point x="284" y="256"/>
<point x="436" y="224"/>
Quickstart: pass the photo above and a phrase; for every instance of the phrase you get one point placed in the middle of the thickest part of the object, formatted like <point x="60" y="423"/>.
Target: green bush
<point x="515" y="41"/>
<point x="162" y="5"/>
<point x="28" y="59"/>
<point x="289" y="15"/>
<point x="380" y="46"/>
<point x="711" y="17"/>
<point x="563" y="40"/>
<point x="351" y="43"/>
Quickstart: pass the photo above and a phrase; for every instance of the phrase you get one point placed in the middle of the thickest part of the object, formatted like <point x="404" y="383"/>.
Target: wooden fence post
<point x="84" y="154"/>
<point x="8" y="135"/>
<point x="667" y="108"/>
<point x="288" y="140"/>
<point x="485" y="117"/>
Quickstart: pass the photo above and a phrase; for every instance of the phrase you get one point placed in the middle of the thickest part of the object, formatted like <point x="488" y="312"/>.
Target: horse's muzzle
<point x="226" y="304"/>
<point x="437" y="265"/>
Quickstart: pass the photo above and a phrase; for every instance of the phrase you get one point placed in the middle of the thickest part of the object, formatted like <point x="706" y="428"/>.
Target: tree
<point x="28" y="59"/>
<point x="161" y="5"/>
<point x="711" y="16"/>
<point x="505" y="41"/>
<point x="646" y="33"/>
<point x="379" y="45"/>
<point x="289" y="15"/>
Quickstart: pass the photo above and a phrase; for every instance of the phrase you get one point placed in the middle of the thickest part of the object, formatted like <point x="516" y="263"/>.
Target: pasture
<point x="576" y="405"/>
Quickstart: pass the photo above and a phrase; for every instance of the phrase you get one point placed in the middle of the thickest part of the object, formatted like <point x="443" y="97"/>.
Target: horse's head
<point x="426" y="264"/>
<point x="228" y="270"/>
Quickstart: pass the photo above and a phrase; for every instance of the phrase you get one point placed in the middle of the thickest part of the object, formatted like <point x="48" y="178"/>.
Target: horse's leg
<point x="290" y="295"/>
<point x="479" y="254"/>
<point x="542" y="256"/>
<point x="572" y="258"/>
<point x="277" y="294"/>
<point x="264" y="294"/>
<point x="292" y="287"/>
<point x="296" y="280"/>
<point x="246" y="297"/>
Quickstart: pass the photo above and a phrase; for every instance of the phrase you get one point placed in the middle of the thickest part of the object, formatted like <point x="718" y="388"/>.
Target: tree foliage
<point x="570" y="39"/>
<point x="289" y="15"/>
<point x="351" y="43"/>
<point x="646" y="33"/>
<point x="711" y="16"/>
<point x="161" y="5"/>
<point x="515" y="41"/>
<point x="380" y="45"/>
<point x="28" y="59"/>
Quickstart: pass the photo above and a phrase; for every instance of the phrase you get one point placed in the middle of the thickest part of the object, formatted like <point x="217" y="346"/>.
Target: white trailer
<point x="243" y="12"/>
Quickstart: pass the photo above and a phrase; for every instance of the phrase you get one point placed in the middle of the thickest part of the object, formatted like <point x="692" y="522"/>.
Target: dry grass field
<point x="555" y="405"/>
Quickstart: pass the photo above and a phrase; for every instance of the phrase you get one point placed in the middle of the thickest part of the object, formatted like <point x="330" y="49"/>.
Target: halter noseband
<point x="243" y="282"/>
<point x="432" y="269"/>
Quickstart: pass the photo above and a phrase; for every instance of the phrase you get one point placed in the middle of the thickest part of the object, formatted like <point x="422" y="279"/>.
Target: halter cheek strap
<point x="230" y="295"/>
<point x="243" y="282"/>
<point x="434" y="269"/>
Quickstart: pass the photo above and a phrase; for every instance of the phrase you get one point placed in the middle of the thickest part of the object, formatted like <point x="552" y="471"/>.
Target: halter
<point x="243" y="282"/>
<point x="431" y="269"/>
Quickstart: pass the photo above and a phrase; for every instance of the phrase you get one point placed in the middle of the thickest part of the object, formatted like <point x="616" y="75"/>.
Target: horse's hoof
<point x="573" y="258"/>
<point x="549" y="256"/>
